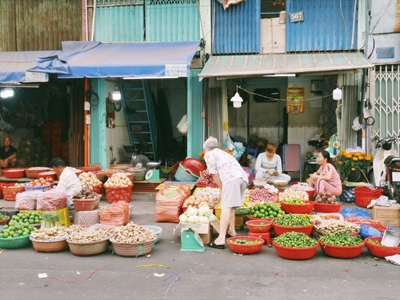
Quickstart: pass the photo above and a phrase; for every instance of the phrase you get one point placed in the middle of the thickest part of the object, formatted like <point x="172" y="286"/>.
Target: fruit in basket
<point x="38" y="182"/>
<point x="266" y="210"/>
<point x="89" y="178"/>
<point x="20" y="225"/>
<point x="295" y="240"/>
<point x="341" y="238"/>
<point x="118" y="180"/>
<point x="325" y="197"/>
<point x="293" y="220"/>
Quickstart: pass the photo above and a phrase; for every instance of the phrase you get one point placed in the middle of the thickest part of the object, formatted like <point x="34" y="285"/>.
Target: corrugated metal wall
<point x="39" y="24"/>
<point x="119" y="21"/>
<point x="236" y="29"/>
<point x="327" y="26"/>
<point x="172" y="20"/>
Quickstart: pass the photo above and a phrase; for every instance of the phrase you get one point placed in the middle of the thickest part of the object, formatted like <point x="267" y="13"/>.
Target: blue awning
<point x="13" y="65"/>
<point x="99" y="60"/>
<point x="150" y="59"/>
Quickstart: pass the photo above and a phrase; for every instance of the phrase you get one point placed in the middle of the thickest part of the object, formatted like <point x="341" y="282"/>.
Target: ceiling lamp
<point x="237" y="100"/>
<point x="116" y="94"/>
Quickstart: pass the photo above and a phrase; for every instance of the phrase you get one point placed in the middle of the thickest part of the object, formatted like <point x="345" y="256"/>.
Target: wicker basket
<point x="48" y="246"/>
<point x="15" y="243"/>
<point x="86" y="204"/>
<point x="185" y="175"/>
<point x="364" y="195"/>
<point x="10" y="192"/>
<point x="88" y="249"/>
<point x="134" y="249"/>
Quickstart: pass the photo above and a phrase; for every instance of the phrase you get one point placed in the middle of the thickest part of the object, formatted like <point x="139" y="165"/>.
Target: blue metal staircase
<point x="140" y="116"/>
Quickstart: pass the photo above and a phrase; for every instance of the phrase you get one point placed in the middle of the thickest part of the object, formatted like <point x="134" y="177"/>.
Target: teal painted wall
<point x="97" y="143"/>
<point x="194" y="111"/>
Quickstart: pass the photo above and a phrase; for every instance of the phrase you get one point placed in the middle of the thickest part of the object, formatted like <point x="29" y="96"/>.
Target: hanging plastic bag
<point x="228" y="143"/>
<point x="183" y="125"/>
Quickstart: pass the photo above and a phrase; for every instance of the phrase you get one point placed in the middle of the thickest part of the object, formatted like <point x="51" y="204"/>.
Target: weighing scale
<point x="191" y="241"/>
<point x="153" y="174"/>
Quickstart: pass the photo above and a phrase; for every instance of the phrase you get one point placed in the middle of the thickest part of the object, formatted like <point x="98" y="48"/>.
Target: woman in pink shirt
<point x="326" y="179"/>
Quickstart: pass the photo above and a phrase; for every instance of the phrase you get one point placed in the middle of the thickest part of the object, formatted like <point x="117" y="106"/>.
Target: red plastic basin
<point x="379" y="250"/>
<point x="305" y="208"/>
<point x="194" y="165"/>
<point x="295" y="253"/>
<point x="14" y="172"/>
<point x="279" y="229"/>
<point x="245" y="248"/>
<point x="342" y="251"/>
<point x="258" y="226"/>
<point x="327" y="208"/>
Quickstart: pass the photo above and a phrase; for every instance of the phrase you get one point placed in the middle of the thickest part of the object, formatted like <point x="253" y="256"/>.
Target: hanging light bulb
<point x="116" y="94"/>
<point x="236" y="99"/>
<point x="337" y="94"/>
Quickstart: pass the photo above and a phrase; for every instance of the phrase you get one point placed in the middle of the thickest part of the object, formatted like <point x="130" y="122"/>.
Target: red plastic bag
<point x="51" y="200"/>
<point x="116" y="215"/>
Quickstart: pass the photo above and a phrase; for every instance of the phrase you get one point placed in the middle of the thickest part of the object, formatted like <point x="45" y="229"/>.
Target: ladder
<point x="140" y="116"/>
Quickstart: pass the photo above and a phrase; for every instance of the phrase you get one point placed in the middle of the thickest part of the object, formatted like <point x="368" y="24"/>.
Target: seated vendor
<point x="8" y="154"/>
<point x="269" y="165"/>
<point x="68" y="181"/>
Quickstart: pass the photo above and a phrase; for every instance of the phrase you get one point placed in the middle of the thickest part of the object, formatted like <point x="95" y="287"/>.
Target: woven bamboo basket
<point x="88" y="249"/>
<point x="132" y="249"/>
<point x="49" y="246"/>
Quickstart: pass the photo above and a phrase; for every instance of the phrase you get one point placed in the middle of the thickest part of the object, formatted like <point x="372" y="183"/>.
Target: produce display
<point x="86" y="193"/>
<point x="46" y="234"/>
<point x="267" y="194"/>
<point x="295" y="240"/>
<point x="293" y="194"/>
<point x="89" y="179"/>
<point x="246" y="242"/>
<point x="325" y="197"/>
<point x="377" y="224"/>
<point x="3" y="217"/>
<point x="293" y="220"/>
<point x="266" y="210"/>
<point x="206" y="179"/>
<point x="20" y="225"/>
<point x="301" y="187"/>
<point x="294" y="201"/>
<point x="340" y="238"/>
<point x="374" y="242"/>
<point x="94" y="233"/>
<point x="38" y="182"/>
<point x="50" y="219"/>
<point x="195" y="215"/>
<point x="133" y="233"/>
<point x="118" y="180"/>
<point x="203" y="196"/>
<point x="325" y="227"/>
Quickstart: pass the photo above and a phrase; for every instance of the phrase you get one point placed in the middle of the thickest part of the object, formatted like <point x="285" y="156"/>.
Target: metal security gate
<point x="385" y="100"/>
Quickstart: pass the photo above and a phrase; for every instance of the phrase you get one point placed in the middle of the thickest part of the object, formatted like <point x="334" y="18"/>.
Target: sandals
<point x="215" y="246"/>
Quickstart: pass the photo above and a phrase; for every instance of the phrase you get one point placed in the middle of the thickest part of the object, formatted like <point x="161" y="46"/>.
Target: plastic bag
<point x="53" y="199"/>
<point x="168" y="213"/>
<point x="116" y="215"/>
<point x="27" y="200"/>
<point x="347" y="195"/>
<point x="368" y="231"/>
<point x="183" y="125"/>
<point x="355" y="212"/>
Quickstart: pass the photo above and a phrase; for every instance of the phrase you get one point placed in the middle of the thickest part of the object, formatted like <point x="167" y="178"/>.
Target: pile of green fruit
<point x="266" y="211"/>
<point x="293" y="220"/>
<point x="20" y="225"/>
<point x="246" y="242"/>
<point x="294" y="201"/>
<point x="295" y="240"/>
<point x="340" y="238"/>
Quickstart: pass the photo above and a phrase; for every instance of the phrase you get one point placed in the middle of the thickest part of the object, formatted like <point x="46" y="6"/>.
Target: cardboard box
<point x="387" y="215"/>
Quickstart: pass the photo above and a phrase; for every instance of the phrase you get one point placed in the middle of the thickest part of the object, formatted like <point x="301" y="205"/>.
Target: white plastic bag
<point x="183" y="125"/>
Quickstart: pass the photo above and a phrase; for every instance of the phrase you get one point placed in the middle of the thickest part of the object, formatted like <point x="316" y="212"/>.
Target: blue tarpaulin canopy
<point x="98" y="60"/>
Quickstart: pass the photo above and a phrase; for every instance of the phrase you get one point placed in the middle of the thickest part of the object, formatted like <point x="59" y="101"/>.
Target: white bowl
<point x="280" y="183"/>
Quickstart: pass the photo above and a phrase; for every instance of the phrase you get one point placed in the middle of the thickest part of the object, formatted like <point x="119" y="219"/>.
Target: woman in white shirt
<point x="269" y="165"/>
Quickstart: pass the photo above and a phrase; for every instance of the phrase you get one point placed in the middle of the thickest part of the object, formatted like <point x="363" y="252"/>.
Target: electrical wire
<point x="93" y="99"/>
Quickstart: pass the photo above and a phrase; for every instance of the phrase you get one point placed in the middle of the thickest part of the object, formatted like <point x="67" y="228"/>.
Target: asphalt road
<point x="212" y="274"/>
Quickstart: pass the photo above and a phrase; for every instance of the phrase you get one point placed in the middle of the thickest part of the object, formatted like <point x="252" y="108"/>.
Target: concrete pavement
<point x="212" y="274"/>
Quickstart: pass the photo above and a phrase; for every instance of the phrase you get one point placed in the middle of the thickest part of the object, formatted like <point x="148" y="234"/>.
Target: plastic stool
<point x="252" y="151"/>
<point x="266" y="236"/>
